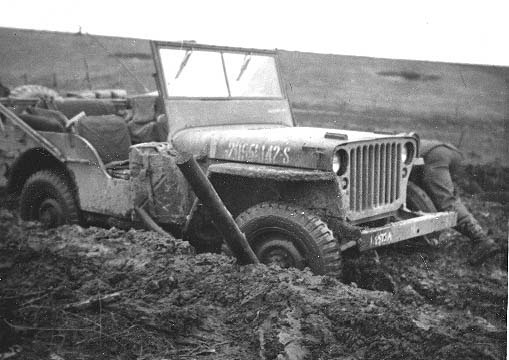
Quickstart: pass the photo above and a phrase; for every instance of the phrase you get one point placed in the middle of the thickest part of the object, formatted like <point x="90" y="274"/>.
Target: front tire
<point x="48" y="198"/>
<point x="418" y="200"/>
<point x="290" y="237"/>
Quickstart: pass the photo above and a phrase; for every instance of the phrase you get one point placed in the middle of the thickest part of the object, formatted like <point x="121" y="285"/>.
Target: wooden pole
<point x="204" y="190"/>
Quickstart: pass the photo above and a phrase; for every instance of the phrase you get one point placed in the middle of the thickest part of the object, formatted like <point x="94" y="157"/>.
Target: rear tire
<point x="48" y="198"/>
<point x="290" y="237"/>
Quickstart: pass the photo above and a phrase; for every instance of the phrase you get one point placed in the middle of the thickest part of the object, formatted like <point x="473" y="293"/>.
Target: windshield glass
<point x="219" y="74"/>
<point x="250" y="75"/>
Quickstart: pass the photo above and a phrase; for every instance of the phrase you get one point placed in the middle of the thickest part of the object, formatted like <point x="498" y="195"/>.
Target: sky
<point x="474" y="32"/>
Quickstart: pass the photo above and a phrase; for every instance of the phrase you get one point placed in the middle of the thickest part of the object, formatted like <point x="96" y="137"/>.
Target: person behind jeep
<point x="440" y="160"/>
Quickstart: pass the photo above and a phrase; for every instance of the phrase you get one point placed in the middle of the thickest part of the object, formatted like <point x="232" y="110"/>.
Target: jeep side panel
<point x="98" y="192"/>
<point x="24" y="151"/>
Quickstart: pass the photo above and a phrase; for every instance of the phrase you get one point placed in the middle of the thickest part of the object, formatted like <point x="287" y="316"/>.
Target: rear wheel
<point x="48" y="198"/>
<point x="290" y="237"/>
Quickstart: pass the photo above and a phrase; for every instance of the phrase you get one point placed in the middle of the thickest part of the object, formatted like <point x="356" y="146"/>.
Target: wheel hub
<point x="280" y="252"/>
<point x="279" y="257"/>
<point x="50" y="213"/>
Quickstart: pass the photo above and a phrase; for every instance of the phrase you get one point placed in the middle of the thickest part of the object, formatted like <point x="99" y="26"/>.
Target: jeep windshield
<point x="218" y="86"/>
<point x="203" y="73"/>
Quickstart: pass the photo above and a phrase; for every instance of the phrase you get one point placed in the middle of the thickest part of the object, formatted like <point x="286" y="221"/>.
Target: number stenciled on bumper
<point x="405" y="229"/>
<point x="381" y="238"/>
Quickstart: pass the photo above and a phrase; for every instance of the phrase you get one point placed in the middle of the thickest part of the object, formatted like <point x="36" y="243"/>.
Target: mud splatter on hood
<point x="299" y="147"/>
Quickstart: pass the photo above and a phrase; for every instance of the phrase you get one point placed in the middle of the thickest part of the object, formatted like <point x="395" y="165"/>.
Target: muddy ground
<point x="162" y="301"/>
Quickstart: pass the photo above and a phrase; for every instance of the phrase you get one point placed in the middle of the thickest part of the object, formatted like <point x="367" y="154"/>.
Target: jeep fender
<point x="244" y="185"/>
<point x="31" y="161"/>
<point x="270" y="172"/>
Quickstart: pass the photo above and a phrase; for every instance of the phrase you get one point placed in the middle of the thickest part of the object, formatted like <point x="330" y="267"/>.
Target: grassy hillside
<point x="37" y="57"/>
<point x="467" y="105"/>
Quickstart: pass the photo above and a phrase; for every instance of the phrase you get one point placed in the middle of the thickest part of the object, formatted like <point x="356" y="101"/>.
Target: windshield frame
<point x="156" y="46"/>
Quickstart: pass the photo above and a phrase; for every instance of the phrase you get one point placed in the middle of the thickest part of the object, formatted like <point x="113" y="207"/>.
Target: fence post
<point x="87" y="74"/>
<point x="55" y="81"/>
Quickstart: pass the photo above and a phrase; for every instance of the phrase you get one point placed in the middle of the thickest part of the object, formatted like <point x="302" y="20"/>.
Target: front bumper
<point x="405" y="229"/>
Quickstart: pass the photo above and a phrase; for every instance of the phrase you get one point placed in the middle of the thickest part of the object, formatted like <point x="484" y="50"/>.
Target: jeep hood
<point x="297" y="147"/>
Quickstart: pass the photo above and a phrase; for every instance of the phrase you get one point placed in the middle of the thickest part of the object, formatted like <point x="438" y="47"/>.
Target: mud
<point x="402" y="302"/>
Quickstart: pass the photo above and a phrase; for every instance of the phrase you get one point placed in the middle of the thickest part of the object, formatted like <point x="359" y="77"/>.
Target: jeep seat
<point x="44" y="120"/>
<point x="147" y="122"/>
<point x="156" y="130"/>
<point x="108" y="134"/>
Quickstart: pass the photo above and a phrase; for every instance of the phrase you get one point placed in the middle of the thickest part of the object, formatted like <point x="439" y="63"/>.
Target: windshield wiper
<point x="184" y="62"/>
<point x="245" y="63"/>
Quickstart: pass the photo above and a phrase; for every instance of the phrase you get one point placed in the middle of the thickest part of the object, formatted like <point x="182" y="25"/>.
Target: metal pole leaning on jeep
<point x="222" y="218"/>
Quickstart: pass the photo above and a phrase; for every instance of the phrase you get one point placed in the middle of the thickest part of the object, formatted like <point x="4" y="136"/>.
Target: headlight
<point x="404" y="154"/>
<point x="340" y="162"/>
<point x="336" y="163"/>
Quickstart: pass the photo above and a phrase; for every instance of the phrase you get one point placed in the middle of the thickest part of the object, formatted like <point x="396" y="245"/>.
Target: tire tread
<point x="325" y="242"/>
<point x="60" y="184"/>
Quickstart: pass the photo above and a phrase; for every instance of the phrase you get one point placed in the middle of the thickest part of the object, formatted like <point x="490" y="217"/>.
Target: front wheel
<point x="48" y="198"/>
<point x="418" y="200"/>
<point x="290" y="237"/>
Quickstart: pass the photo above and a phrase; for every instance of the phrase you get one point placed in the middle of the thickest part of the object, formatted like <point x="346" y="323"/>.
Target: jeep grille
<point x="374" y="175"/>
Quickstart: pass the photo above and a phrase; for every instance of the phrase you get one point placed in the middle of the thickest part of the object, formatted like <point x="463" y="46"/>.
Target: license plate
<point x="380" y="238"/>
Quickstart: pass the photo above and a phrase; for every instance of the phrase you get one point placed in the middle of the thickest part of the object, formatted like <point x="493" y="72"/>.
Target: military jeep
<point x="301" y="195"/>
